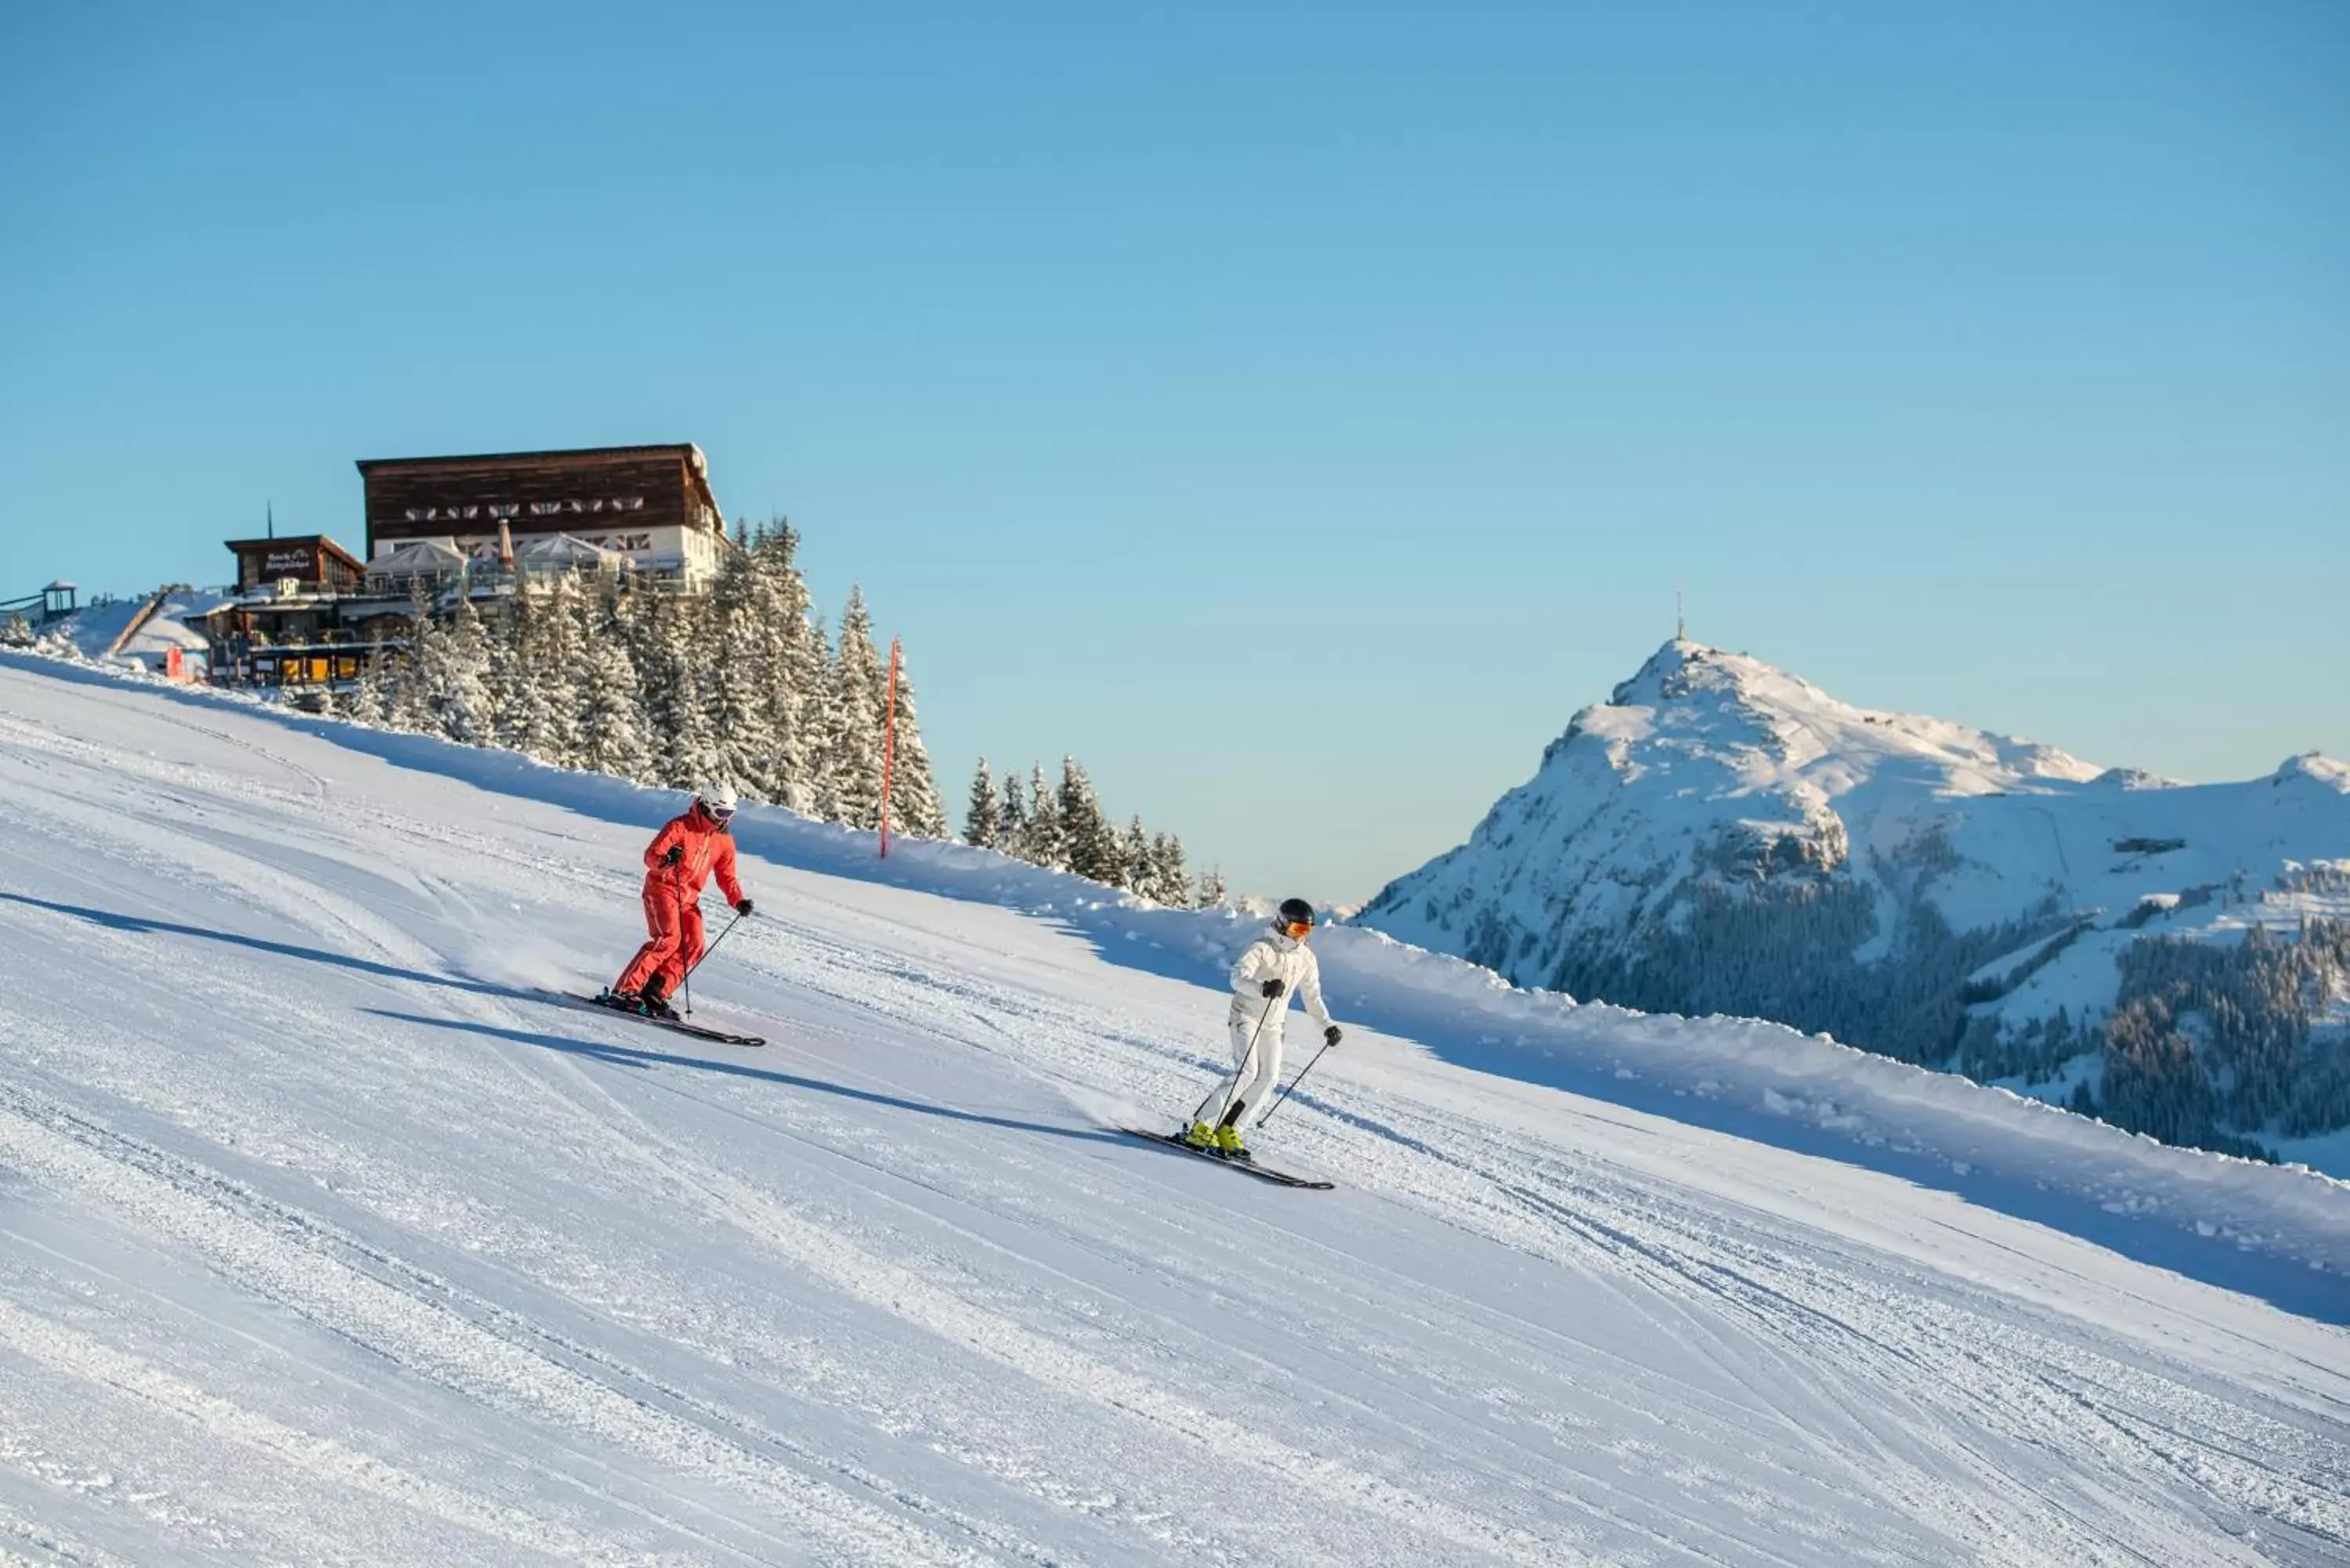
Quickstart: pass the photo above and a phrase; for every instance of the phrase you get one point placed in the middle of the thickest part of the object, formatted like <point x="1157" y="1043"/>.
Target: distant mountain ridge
<point x="1721" y="835"/>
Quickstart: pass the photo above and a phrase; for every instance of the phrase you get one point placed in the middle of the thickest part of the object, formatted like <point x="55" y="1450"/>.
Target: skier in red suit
<point x="678" y="865"/>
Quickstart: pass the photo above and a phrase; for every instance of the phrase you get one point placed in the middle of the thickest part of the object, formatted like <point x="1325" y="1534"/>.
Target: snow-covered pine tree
<point x="409" y="705"/>
<point x="1133" y="858"/>
<point x="1043" y="844"/>
<point x="368" y="701"/>
<point x="1012" y="837"/>
<point x="673" y="671"/>
<point x="852" y="745"/>
<point x="1210" y="890"/>
<point x="915" y="808"/>
<point x="554" y="661"/>
<point x="743" y="652"/>
<point x="1090" y="841"/>
<point x="611" y="722"/>
<point x="815" y="670"/>
<point x="983" y="819"/>
<point x="457" y="677"/>
<point x="795" y="679"/>
<point x="1168" y="884"/>
<point x="508" y="631"/>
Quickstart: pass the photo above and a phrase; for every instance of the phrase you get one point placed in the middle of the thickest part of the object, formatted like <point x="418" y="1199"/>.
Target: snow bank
<point x="93" y="630"/>
<point x="2204" y="1214"/>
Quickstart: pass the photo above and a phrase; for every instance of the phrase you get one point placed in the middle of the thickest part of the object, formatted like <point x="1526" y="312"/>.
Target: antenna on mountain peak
<point x="1680" y="618"/>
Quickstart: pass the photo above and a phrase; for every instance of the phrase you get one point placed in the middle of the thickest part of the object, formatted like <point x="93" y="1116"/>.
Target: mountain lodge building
<point x="307" y="612"/>
<point x="650" y="504"/>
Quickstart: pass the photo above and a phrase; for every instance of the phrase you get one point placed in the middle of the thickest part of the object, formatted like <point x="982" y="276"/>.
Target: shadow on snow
<point x="632" y="1057"/>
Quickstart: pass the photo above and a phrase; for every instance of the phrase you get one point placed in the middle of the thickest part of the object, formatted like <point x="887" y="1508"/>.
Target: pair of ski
<point x="1244" y="1164"/>
<point x="606" y="1003"/>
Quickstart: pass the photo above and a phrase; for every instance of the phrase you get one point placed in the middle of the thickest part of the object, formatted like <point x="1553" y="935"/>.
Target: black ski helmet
<point x="1295" y="911"/>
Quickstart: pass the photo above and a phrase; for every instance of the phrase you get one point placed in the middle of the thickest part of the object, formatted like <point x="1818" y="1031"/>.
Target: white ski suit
<point x="1276" y="955"/>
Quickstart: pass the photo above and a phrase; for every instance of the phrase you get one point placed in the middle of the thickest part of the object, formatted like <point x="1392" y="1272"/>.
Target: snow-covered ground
<point x="322" y="1239"/>
<point x="93" y="630"/>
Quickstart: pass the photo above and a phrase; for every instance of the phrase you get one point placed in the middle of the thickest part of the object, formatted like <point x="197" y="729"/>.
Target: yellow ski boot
<point x="1229" y="1144"/>
<point x="1201" y="1137"/>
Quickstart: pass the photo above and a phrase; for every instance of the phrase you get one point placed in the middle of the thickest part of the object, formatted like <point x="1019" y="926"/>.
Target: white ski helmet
<point x="717" y="799"/>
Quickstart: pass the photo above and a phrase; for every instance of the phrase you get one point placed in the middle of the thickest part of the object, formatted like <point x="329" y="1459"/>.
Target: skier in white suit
<point x="1276" y="966"/>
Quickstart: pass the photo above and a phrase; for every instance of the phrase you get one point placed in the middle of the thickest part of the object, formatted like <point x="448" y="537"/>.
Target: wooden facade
<point x="300" y="616"/>
<point x="651" y="503"/>
<point x="313" y="561"/>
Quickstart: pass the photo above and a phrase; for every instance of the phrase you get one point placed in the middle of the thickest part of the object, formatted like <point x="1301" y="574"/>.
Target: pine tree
<point x="1090" y="844"/>
<point x="458" y="691"/>
<point x="915" y="808"/>
<point x="1043" y="844"/>
<point x="506" y="676"/>
<point x="409" y="706"/>
<point x="610" y="722"/>
<point x="673" y="675"/>
<point x="462" y="690"/>
<point x="1133" y="858"/>
<point x="1212" y="890"/>
<point x="743" y="653"/>
<point x="983" y="820"/>
<point x="851" y="787"/>
<point x="1013" y="837"/>
<point x="1169" y="883"/>
<point x="368" y="701"/>
<point x="813" y="735"/>
<point x="797" y="671"/>
<point x="553" y="656"/>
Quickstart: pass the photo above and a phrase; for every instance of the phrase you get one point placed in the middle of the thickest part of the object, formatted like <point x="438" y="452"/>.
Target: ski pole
<point x="1242" y="1071"/>
<point x="1292" y="1084"/>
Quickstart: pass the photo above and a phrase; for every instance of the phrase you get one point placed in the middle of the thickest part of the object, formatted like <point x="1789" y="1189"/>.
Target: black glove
<point x="676" y="852"/>
<point x="743" y="907"/>
<point x="1330" y="1035"/>
<point x="1273" y="987"/>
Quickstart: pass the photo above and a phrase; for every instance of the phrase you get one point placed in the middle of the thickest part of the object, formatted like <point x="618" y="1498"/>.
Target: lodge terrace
<point x="308" y="614"/>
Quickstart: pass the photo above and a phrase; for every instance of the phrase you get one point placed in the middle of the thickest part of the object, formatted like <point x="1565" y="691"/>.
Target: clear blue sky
<point x="1299" y="412"/>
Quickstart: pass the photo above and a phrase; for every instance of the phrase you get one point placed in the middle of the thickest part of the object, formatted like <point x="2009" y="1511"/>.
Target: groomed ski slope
<point x="321" y="1240"/>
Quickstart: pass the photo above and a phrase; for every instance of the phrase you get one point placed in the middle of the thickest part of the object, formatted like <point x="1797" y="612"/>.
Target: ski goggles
<point x="1300" y="929"/>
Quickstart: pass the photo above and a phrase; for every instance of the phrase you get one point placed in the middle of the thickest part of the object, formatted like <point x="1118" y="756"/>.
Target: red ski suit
<point x="674" y="897"/>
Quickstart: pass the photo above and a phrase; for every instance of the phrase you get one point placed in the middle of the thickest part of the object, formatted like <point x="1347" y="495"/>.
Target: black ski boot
<point x="653" y="1004"/>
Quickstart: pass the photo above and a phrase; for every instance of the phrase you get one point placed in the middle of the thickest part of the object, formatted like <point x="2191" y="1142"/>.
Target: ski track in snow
<point x="324" y="1241"/>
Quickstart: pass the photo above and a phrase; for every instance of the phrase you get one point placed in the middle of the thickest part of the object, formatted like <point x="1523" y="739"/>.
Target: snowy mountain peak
<point x="1723" y="836"/>
<point x="2315" y="767"/>
<point x="1770" y="731"/>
